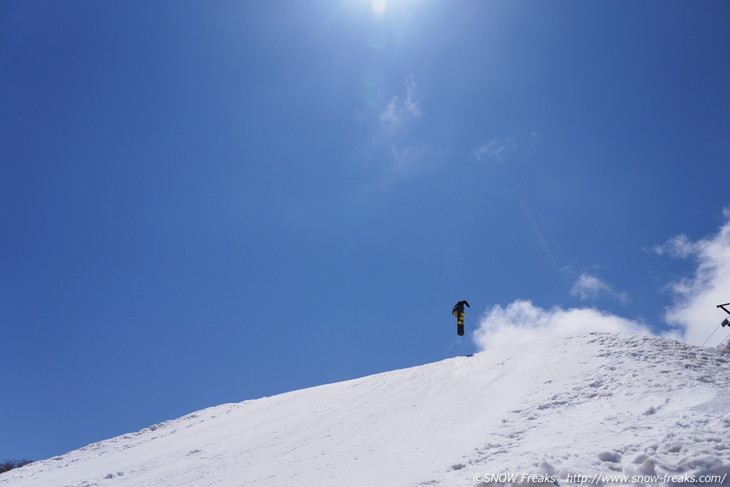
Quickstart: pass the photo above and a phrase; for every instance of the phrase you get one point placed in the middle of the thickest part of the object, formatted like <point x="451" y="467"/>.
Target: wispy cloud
<point x="390" y="125"/>
<point x="495" y="151"/>
<point x="401" y="109"/>
<point x="400" y="163"/>
<point x="692" y="316"/>
<point x="590" y="288"/>
<point x="677" y="246"/>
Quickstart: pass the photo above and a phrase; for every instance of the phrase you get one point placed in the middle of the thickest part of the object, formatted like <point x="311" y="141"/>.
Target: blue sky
<point x="206" y="202"/>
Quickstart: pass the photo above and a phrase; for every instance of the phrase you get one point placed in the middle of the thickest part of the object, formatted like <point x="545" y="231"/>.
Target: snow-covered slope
<point x="567" y="410"/>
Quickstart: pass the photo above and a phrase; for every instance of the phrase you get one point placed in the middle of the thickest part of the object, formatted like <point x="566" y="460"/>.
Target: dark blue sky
<point x="206" y="202"/>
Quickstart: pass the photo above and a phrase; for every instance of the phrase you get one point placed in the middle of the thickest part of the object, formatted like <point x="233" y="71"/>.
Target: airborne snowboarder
<point x="458" y="313"/>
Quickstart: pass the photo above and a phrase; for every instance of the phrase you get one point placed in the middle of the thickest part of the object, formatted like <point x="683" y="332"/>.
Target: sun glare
<point x="379" y="6"/>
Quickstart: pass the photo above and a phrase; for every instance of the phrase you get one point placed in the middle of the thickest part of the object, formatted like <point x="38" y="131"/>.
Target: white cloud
<point x="678" y="246"/>
<point x="496" y="150"/>
<point x="694" y="314"/>
<point x="521" y="321"/>
<point x="391" y="115"/>
<point x="392" y="148"/>
<point x="401" y="110"/>
<point x="412" y="102"/>
<point x="401" y="163"/>
<point x="590" y="288"/>
<point x="400" y="156"/>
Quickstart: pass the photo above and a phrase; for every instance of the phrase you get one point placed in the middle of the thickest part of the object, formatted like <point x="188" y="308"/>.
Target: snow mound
<point x="598" y="409"/>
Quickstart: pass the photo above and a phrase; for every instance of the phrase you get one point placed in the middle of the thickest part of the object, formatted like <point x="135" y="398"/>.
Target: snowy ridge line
<point x="589" y="409"/>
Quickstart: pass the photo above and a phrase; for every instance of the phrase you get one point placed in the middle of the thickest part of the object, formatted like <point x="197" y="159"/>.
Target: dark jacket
<point x="459" y="308"/>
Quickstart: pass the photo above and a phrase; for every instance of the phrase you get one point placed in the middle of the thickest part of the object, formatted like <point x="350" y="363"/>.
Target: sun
<point x="379" y="6"/>
<point x="400" y="8"/>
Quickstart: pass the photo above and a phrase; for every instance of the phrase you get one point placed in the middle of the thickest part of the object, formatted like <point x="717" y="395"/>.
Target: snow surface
<point x="568" y="411"/>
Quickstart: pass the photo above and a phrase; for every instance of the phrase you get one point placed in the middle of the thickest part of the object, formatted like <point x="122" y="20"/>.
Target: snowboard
<point x="460" y="325"/>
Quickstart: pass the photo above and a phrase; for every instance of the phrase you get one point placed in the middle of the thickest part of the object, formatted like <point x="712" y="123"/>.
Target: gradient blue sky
<point x="206" y="202"/>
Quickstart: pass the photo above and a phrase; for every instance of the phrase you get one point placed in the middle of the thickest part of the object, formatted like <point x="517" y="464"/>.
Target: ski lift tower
<point x="725" y="322"/>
